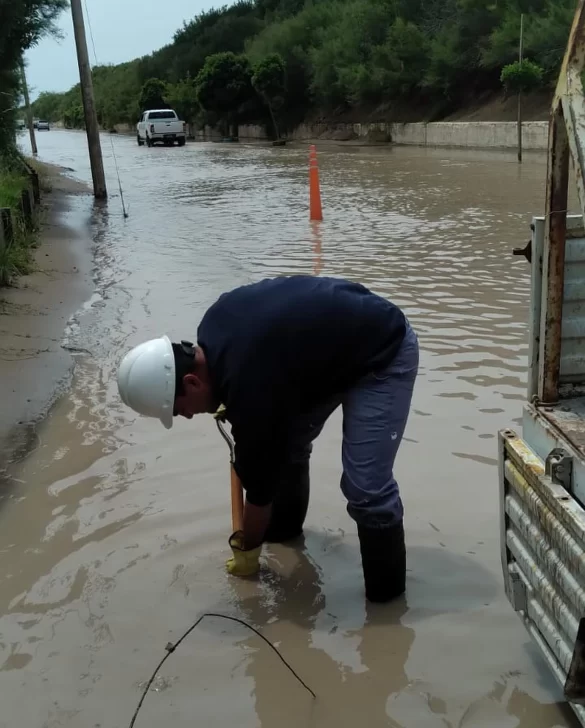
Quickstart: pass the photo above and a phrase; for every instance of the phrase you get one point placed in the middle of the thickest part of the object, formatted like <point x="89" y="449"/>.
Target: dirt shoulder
<point x="535" y="107"/>
<point x="34" y="368"/>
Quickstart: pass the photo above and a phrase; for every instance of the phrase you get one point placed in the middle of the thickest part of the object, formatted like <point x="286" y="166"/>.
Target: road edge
<point x="34" y="367"/>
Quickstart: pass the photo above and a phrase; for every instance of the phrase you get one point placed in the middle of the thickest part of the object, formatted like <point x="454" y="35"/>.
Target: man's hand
<point x="242" y="563"/>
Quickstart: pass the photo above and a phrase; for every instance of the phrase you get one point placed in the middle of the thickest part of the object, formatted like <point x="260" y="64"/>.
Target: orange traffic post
<point x="315" y="209"/>
<point x="236" y="489"/>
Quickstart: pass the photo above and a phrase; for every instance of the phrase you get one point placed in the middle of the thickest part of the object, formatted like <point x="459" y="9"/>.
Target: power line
<point x="90" y="31"/>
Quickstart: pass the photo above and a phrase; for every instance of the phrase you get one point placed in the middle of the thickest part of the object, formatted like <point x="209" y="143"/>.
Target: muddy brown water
<point x="113" y="532"/>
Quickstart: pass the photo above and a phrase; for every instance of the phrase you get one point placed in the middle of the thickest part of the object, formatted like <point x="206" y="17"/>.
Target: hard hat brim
<point x="167" y="414"/>
<point x="167" y="420"/>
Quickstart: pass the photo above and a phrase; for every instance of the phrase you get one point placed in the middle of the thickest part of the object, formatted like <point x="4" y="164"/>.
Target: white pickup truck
<point x="160" y="125"/>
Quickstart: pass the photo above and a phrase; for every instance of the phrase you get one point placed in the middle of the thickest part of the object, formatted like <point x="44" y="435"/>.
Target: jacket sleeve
<point x="260" y="415"/>
<point x="259" y="460"/>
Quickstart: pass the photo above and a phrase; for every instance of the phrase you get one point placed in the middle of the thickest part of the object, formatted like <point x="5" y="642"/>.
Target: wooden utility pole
<point x="91" y="123"/>
<point x="520" y="59"/>
<point x="29" y="114"/>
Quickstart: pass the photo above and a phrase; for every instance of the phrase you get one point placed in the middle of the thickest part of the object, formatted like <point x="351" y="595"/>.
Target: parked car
<point x="160" y="125"/>
<point x="43" y="126"/>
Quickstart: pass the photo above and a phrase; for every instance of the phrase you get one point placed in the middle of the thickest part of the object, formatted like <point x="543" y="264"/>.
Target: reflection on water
<point x="114" y="535"/>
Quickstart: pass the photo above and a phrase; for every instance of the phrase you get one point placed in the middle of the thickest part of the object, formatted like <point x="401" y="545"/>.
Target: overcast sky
<point x="122" y="30"/>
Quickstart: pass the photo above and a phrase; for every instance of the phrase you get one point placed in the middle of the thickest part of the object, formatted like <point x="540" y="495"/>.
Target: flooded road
<point x="113" y="533"/>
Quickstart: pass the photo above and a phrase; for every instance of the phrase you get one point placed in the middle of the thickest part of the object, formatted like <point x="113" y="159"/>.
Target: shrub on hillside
<point x="521" y="76"/>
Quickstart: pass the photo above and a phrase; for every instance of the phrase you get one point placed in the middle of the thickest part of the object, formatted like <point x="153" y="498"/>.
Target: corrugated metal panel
<point x="573" y="330"/>
<point x="543" y="559"/>
<point x="572" y="363"/>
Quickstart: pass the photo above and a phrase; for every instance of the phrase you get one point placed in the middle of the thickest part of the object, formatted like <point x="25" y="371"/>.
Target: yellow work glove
<point x="242" y="563"/>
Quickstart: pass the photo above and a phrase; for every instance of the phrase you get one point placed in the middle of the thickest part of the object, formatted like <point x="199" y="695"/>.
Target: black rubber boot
<point x="383" y="561"/>
<point x="290" y="505"/>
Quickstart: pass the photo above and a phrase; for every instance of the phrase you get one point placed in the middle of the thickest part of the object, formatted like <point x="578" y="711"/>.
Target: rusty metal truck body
<point x="542" y="470"/>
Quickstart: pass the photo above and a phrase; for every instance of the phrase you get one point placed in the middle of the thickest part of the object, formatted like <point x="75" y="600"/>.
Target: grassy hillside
<point x="292" y="60"/>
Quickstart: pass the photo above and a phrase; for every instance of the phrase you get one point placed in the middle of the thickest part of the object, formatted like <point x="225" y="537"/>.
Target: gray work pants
<point x="375" y="412"/>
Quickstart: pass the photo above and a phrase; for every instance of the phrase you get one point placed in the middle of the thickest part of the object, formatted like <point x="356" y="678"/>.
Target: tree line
<point x="22" y="24"/>
<point x="278" y="62"/>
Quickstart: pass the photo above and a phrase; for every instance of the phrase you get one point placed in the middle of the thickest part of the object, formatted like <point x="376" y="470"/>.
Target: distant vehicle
<point x="35" y="123"/>
<point x="160" y="125"/>
<point x="43" y="126"/>
<point x="21" y="124"/>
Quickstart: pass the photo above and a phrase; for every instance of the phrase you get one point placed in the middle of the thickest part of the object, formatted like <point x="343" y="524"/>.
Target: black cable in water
<point x="170" y="648"/>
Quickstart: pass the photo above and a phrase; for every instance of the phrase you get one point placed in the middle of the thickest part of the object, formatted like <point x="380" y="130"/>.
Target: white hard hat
<point x="146" y="379"/>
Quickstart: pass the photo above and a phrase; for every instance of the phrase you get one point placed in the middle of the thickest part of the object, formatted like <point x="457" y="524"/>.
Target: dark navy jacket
<point x="279" y="348"/>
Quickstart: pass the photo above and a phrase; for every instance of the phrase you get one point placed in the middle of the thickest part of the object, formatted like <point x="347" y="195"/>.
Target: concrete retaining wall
<point x="484" y="134"/>
<point x="478" y="134"/>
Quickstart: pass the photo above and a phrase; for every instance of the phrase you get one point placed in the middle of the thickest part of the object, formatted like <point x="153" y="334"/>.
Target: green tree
<point x="546" y="31"/>
<point x="152" y="95"/>
<point x="22" y="24"/>
<point x="117" y="91"/>
<point x="546" y="35"/>
<point x="463" y="30"/>
<point x="221" y="30"/>
<point x="294" y="39"/>
<point x="343" y="74"/>
<point x="269" y="80"/>
<point x="58" y="107"/>
<point x="223" y="85"/>
<point x="182" y="96"/>
<point x="73" y="117"/>
<point x="48" y="106"/>
<point x="401" y="61"/>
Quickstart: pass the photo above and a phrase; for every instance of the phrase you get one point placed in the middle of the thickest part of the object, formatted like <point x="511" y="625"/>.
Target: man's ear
<point x="192" y="381"/>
